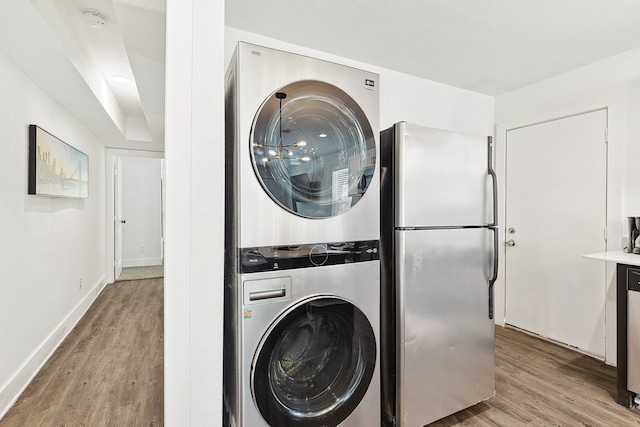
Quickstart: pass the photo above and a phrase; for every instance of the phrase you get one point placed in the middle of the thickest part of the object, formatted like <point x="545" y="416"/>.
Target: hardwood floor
<point x="108" y="371"/>
<point x="543" y="384"/>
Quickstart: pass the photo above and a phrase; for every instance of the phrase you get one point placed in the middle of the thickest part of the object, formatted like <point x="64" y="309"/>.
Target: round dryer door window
<point x="315" y="364"/>
<point x="313" y="149"/>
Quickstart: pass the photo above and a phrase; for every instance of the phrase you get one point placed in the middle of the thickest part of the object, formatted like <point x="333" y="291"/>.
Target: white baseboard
<point x="14" y="388"/>
<point x="141" y="262"/>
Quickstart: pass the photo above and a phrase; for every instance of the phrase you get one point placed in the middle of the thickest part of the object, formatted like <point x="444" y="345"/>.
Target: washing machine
<point x="303" y="349"/>
<point x="302" y="273"/>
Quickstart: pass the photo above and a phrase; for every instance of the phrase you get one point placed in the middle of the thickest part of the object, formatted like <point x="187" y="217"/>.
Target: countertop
<point x="618" y="256"/>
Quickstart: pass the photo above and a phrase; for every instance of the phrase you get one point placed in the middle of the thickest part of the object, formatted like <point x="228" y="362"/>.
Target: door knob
<point x="510" y="242"/>
<point x="123" y="221"/>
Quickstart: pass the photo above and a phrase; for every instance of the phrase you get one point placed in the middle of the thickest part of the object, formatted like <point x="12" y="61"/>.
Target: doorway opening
<point x="136" y="204"/>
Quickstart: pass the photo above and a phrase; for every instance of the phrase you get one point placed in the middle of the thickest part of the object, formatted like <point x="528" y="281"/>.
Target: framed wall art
<point x="56" y="168"/>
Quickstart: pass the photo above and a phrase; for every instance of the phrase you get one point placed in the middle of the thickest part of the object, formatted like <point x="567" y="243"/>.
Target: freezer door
<point x="445" y="338"/>
<point x="441" y="178"/>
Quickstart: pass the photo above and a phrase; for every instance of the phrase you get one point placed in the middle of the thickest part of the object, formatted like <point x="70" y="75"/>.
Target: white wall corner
<point x="194" y="212"/>
<point x="12" y="390"/>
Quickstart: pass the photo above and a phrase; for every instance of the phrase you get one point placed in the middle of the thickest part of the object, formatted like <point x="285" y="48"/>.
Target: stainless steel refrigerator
<point x="439" y="263"/>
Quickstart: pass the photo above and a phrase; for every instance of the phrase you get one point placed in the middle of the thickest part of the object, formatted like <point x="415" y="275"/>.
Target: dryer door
<point x="313" y="149"/>
<point x="314" y="365"/>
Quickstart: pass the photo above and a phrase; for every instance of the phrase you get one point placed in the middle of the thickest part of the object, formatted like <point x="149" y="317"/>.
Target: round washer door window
<point x="313" y="149"/>
<point x="315" y="365"/>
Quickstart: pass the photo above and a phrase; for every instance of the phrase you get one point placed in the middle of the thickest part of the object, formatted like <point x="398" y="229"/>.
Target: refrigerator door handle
<point x="494" y="181"/>
<point x="493" y="226"/>
<point x="494" y="275"/>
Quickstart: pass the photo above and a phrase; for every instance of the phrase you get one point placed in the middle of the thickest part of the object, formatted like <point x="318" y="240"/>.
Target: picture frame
<point x="56" y="169"/>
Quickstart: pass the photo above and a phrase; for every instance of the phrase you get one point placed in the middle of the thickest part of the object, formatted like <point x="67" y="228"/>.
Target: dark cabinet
<point x="628" y="336"/>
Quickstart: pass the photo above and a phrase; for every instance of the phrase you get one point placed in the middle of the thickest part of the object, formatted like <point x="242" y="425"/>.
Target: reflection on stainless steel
<point x="315" y="363"/>
<point x="302" y="251"/>
<point x="438" y="190"/>
<point x="633" y="330"/>
<point x="444" y="184"/>
<point x="272" y="258"/>
<point x="285" y="251"/>
<point x="446" y="335"/>
<point x="309" y="362"/>
<point x="296" y="165"/>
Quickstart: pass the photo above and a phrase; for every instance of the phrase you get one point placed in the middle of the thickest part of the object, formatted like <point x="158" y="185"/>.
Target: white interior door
<point x="556" y="212"/>
<point x="117" y="215"/>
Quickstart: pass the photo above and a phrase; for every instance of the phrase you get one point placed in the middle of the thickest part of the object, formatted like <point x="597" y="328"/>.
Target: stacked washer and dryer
<point x="302" y="273"/>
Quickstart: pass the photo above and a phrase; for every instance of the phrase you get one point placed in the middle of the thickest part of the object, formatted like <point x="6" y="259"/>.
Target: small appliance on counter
<point x="634" y="235"/>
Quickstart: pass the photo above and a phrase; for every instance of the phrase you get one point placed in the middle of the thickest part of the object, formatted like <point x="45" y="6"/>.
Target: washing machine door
<point x="314" y="365"/>
<point x="313" y="149"/>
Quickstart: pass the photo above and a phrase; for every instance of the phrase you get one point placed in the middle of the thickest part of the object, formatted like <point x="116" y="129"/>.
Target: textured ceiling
<point x="488" y="46"/>
<point x="49" y="41"/>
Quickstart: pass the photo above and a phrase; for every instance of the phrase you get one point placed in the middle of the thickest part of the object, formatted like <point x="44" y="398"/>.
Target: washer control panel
<point x="272" y="258"/>
<point x="318" y="255"/>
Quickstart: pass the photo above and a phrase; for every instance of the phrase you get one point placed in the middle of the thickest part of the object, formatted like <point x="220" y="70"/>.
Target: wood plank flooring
<point x="108" y="371"/>
<point x="539" y="383"/>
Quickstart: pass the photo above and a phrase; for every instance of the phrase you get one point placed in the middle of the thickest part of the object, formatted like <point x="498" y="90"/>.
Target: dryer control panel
<point x="272" y="258"/>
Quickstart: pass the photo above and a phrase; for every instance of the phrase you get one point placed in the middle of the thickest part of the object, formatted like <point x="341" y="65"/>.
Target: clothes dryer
<point x="302" y="147"/>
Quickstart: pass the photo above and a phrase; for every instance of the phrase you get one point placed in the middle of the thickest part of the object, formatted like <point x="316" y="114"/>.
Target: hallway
<point x="109" y="369"/>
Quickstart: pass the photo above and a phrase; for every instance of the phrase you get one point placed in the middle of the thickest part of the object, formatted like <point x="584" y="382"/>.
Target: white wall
<point x="48" y="244"/>
<point x="194" y="147"/>
<point x="402" y="97"/>
<point x="613" y="83"/>
<point x="141" y="200"/>
<point x="631" y="153"/>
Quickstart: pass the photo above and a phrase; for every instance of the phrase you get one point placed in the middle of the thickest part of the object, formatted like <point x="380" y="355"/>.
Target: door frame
<point x="615" y="107"/>
<point x="554" y="318"/>
<point x="117" y="216"/>
<point x="110" y="155"/>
